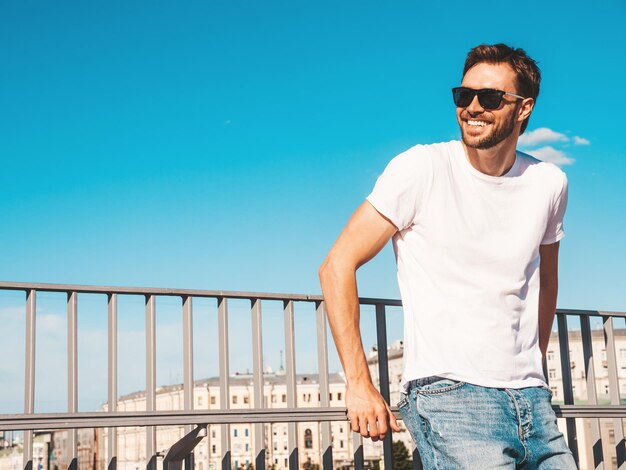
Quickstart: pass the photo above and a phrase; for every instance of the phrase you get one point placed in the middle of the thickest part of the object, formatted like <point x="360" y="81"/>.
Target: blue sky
<point x="223" y="145"/>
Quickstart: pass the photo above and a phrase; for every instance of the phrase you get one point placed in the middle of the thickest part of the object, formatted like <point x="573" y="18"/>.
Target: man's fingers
<point x="382" y="424"/>
<point x="374" y="426"/>
<point x="354" y="422"/>
<point x="393" y="421"/>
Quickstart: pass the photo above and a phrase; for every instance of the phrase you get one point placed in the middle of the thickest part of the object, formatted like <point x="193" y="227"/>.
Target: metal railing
<point x="196" y="421"/>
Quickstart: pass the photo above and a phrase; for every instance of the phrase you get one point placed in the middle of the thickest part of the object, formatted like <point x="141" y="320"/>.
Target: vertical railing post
<point x="257" y="371"/>
<point x="592" y="394"/>
<point x="222" y="312"/>
<point x="150" y="379"/>
<point x="112" y="380"/>
<point x="290" y="346"/>
<point x="72" y="374"/>
<point x="188" y="386"/>
<point x="618" y="429"/>
<point x="383" y="375"/>
<point x="566" y="371"/>
<point x="357" y="446"/>
<point x="322" y="361"/>
<point x="29" y="381"/>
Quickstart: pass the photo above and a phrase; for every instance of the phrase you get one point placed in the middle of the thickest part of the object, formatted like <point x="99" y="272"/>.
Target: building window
<point x="339" y="396"/>
<point x="212" y="399"/>
<point x="273" y="398"/>
<point x="308" y="439"/>
<point x="552" y="374"/>
<point x="555" y="392"/>
<point x="213" y="434"/>
<point x="550" y="355"/>
<point x="246" y="400"/>
<point x="199" y="401"/>
<point x="246" y="432"/>
<point x="234" y="399"/>
<point x="247" y="447"/>
<point x="341" y="444"/>
<point x="606" y="389"/>
<point x="330" y="396"/>
<point x="213" y="449"/>
<point x="284" y="398"/>
<point x="235" y="432"/>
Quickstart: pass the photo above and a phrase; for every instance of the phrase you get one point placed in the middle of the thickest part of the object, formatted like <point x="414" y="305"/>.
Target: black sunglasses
<point x="487" y="97"/>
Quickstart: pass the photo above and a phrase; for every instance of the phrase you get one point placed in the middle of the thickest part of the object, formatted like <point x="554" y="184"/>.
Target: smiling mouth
<point x="476" y="123"/>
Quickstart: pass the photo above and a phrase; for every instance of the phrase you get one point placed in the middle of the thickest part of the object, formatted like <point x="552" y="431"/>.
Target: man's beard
<point x="497" y="135"/>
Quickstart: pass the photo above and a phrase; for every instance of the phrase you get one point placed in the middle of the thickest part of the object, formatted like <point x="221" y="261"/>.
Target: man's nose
<point x="474" y="107"/>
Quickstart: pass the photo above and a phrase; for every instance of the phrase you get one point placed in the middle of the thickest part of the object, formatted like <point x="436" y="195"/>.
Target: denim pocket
<point x="438" y="385"/>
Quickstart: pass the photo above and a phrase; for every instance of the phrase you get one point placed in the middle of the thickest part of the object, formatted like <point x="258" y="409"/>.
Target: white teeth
<point x="477" y="123"/>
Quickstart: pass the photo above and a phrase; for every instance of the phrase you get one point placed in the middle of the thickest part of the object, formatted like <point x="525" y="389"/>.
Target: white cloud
<point x="552" y="155"/>
<point x="581" y="140"/>
<point x="540" y="136"/>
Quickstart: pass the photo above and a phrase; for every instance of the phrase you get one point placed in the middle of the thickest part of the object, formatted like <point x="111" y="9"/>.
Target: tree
<point x="310" y="466"/>
<point x="401" y="460"/>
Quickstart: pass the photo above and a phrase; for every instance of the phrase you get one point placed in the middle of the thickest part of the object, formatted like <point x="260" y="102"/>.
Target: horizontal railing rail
<point x="200" y="293"/>
<point x="54" y="421"/>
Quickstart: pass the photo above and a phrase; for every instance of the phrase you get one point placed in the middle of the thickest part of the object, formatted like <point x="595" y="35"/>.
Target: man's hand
<point x="368" y="412"/>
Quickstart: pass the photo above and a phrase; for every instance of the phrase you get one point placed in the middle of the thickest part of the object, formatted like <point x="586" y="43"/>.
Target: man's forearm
<point x="342" y="304"/>
<point x="548" y="288"/>
<point x="547" y="309"/>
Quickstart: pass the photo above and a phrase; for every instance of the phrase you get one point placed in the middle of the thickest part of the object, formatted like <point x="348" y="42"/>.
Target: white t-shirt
<point x="467" y="250"/>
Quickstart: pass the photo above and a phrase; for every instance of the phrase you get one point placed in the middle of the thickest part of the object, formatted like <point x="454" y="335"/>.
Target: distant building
<point x="208" y="454"/>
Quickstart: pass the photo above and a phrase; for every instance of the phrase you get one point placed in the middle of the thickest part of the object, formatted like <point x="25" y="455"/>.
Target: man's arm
<point x="365" y="234"/>
<point x="548" y="288"/>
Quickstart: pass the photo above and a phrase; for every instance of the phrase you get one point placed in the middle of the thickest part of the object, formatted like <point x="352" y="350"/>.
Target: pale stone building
<point x="208" y="453"/>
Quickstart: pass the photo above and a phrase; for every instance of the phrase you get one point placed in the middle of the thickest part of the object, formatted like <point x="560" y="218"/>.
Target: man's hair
<point x="525" y="68"/>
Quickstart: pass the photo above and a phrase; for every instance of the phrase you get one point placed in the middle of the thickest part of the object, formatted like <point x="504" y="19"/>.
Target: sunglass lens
<point x="462" y="96"/>
<point x="489" y="99"/>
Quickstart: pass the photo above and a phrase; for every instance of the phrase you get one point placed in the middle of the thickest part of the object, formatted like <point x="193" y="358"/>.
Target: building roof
<point x="241" y="380"/>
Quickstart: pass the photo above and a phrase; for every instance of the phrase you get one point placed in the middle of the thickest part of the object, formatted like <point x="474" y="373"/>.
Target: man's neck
<point x="494" y="161"/>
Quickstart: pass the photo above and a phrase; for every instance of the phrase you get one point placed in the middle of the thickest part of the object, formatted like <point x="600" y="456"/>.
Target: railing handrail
<point x="99" y="419"/>
<point x="160" y="291"/>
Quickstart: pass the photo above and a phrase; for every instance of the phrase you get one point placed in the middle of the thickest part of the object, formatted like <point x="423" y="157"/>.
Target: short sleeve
<point x="554" y="230"/>
<point x="398" y="192"/>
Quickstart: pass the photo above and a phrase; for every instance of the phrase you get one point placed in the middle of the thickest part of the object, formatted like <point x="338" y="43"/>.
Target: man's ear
<point x="525" y="109"/>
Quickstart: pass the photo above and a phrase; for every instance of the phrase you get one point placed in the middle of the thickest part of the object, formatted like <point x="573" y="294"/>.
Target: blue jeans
<point x="457" y="425"/>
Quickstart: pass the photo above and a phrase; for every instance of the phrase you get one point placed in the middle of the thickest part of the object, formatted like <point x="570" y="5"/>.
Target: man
<point x="476" y="228"/>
